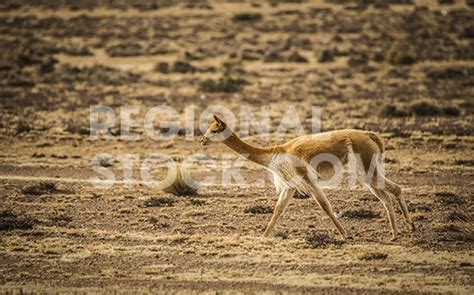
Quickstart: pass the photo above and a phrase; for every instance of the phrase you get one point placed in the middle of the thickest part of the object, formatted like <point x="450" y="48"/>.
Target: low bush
<point x="259" y="209"/>
<point x="319" y="240"/>
<point x="159" y="202"/>
<point x="360" y="214"/>
<point x="373" y="256"/>
<point x="39" y="189"/>
<point x="225" y="84"/>
<point x="246" y="16"/>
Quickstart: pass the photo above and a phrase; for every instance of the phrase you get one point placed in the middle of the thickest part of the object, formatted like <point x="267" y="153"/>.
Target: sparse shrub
<point x="9" y="221"/>
<point x="357" y="60"/>
<point x="182" y="185"/>
<point x="373" y="256"/>
<point x="276" y="2"/>
<point x="464" y="162"/>
<point x="259" y="209"/>
<point x="247" y="16"/>
<point x="159" y="202"/>
<point x="424" y="109"/>
<point x="157" y="223"/>
<point x="402" y="58"/>
<point x="183" y="67"/>
<point x="125" y="210"/>
<point x="449" y="198"/>
<point x="361" y="214"/>
<point x="196" y="202"/>
<point x="418" y="207"/>
<point x="449" y="73"/>
<point x="390" y="160"/>
<point x="23" y="127"/>
<point x="326" y="56"/>
<point x="39" y="189"/>
<point x="390" y="110"/>
<point x="460" y="231"/>
<point x="60" y="219"/>
<point x="319" y="240"/>
<point x="248" y="54"/>
<point x="421" y="108"/>
<point x="76" y="50"/>
<point x="76" y="127"/>
<point x="457" y="216"/>
<point x="281" y="234"/>
<point x="296" y="57"/>
<point x="446" y="2"/>
<point x="273" y="56"/>
<point x="125" y="49"/>
<point x="162" y="67"/>
<point x="105" y="161"/>
<point x="225" y="84"/>
<point x="451" y="111"/>
<point x="402" y="53"/>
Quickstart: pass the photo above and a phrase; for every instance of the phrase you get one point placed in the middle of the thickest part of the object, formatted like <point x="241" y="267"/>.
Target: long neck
<point x="259" y="155"/>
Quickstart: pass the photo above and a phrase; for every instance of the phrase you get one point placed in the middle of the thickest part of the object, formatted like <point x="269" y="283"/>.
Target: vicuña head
<point x="218" y="130"/>
<point x="284" y="161"/>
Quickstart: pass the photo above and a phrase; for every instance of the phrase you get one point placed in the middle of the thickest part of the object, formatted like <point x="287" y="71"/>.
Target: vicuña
<point x="293" y="167"/>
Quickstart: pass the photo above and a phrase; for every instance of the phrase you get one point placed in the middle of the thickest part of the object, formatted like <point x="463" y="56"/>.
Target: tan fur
<point x="289" y="163"/>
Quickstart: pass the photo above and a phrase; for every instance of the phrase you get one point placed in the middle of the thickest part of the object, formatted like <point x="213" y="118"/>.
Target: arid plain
<point x="401" y="68"/>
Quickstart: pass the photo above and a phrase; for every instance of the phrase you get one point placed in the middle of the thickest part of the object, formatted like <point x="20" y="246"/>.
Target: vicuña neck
<point x="259" y="155"/>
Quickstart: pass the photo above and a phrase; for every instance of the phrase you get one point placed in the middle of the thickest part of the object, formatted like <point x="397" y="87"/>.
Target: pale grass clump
<point x="183" y="184"/>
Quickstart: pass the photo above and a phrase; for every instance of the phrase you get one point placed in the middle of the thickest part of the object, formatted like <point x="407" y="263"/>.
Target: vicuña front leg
<point x="323" y="202"/>
<point x="283" y="200"/>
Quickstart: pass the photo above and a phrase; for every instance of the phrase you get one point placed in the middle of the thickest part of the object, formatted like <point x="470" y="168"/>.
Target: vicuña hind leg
<point x="384" y="197"/>
<point x="283" y="200"/>
<point x="323" y="202"/>
<point x="397" y="193"/>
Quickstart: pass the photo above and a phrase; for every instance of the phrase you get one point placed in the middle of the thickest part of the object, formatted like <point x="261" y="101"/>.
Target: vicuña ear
<point x="219" y="121"/>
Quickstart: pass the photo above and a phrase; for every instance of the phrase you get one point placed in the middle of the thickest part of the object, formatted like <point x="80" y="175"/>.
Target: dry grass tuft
<point x="390" y="110"/>
<point x="10" y="221"/>
<point x="159" y="202"/>
<point x="224" y="84"/>
<point x="259" y="209"/>
<point x="373" y="256"/>
<point x="319" y="240"/>
<point x="281" y="234"/>
<point x="157" y="223"/>
<point x="39" y="189"/>
<point x="420" y="108"/>
<point x="196" y="202"/>
<point x="182" y="185"/>
<point x="461" y="230"/>
<point x="361" y="214"/>
<point x="449" y="198"/>
<point x="246" y="17"/>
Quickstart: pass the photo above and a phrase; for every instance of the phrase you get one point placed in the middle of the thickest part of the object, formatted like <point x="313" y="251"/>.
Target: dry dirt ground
<point x="402" y="68"/>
